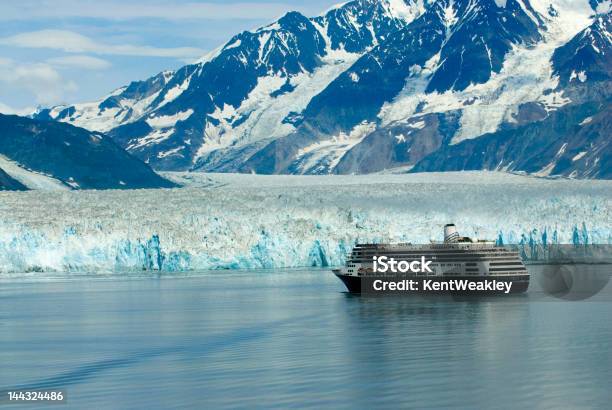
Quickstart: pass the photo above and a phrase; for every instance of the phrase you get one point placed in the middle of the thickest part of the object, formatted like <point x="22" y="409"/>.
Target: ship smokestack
<point x="450" y="234"/>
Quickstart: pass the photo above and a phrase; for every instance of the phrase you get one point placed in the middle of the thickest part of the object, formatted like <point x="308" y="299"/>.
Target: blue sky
<point x="67" y="51"/>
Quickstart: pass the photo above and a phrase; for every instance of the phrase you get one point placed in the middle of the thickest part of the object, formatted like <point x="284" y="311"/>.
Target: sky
<point x="67" y="51"/>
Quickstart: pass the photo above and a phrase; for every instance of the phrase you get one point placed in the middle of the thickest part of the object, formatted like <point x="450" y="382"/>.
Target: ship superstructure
<point x="457" y="258"/>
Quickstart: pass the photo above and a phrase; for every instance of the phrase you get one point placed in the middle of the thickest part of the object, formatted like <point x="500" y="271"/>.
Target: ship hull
<point x="518" y="284"/>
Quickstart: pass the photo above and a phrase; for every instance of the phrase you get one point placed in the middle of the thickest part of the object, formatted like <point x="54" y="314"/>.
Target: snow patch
<point x="31" y="179"/>
<point x="581" y="76"/>
<point x="526" y="76"/>
<point x="155" y="137"/>
<point x="407" y="10"/>
<point x="167" y="121"/>
<point x="604" y="7"/>
<point x="449" y="16"/>
<point x="546" y="171"/>
<point x="234" y="44"/>
<point x="419" y="125"/>
<point x="262" y="116"/>
<point x="175" y="92"/>
<point x="324" y="156"/>
<point x="171" y="152"/>
<point x="90" y="117"/>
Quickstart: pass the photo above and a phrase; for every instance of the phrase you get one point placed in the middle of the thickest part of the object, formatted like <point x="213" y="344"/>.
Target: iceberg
<point x="225" y="221"/>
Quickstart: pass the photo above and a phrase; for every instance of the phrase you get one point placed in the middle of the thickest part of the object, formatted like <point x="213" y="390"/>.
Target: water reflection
<point x="284" y="338"/>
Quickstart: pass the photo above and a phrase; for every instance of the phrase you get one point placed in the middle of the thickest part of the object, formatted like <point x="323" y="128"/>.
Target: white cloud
<point x="5" y="109"/>
<point x="72" y="42"/>
<point x="122" y="10"/>
<point x="40" y="79"/>
<point x="79" y="61"/>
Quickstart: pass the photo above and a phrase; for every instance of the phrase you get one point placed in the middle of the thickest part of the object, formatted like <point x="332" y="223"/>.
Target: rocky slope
<point x="38" y="154"/>
<point x="371" y="85"/>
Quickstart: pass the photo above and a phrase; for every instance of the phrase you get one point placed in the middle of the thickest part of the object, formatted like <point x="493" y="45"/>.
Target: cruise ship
<point x="460" y="265"/>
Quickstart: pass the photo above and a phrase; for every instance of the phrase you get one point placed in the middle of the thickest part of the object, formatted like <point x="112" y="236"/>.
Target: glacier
<point x="228" y="221"/>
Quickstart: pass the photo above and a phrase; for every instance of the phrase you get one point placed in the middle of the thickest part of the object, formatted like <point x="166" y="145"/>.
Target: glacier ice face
<point x="248" y="221"/>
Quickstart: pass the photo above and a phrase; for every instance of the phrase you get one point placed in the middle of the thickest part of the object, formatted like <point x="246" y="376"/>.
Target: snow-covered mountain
<point x="574" y="139"/>
<point x="587" y="55"/>
<point x="43" y="155"/>
<point x="377" y="84"/>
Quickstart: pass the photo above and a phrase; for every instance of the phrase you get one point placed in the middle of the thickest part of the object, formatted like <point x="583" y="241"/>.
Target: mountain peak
<point x="367" y="85"/>
<point x="588" y="56"/>
<point x="405" y="9"/>
<point x="478" y="37"/>
<point x="402" y="9"/>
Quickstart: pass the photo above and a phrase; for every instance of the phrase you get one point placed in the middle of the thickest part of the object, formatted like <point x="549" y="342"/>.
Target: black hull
<point x="356" y="284"/>
<point x="352" y="283"/>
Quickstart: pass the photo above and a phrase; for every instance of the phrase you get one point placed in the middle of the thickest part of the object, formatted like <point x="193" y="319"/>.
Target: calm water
<point x="295" y="339"/>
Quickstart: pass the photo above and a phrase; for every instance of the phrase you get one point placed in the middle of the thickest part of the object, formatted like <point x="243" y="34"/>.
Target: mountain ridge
<point x="368" y="85"/>
<point x="7" y="183"/>
<point x="36" y="154"/>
